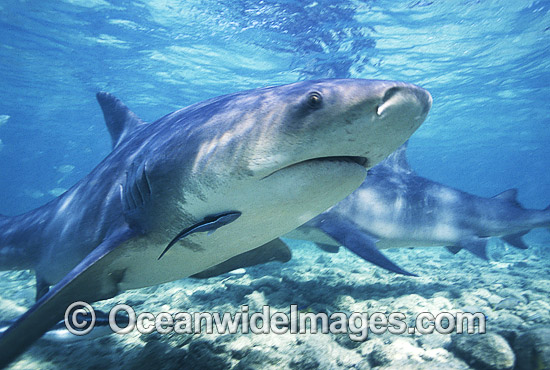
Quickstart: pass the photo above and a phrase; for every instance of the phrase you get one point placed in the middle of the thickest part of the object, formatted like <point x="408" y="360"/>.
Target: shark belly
<point x="297" y="193"/>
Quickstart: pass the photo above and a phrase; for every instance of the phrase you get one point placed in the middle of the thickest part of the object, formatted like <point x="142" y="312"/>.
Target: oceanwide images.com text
<point x="80" y="319"/>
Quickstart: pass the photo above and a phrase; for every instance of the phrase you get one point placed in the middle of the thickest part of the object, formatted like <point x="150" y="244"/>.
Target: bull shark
<point x="395" y="207"/>
<point x="199" y="186"/>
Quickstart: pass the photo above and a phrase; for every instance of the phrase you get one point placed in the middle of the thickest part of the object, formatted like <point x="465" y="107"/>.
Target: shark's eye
<point x="314" y="100"/>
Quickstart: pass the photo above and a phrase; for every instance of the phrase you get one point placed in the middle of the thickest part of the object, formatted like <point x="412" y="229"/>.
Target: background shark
<point x="252" y="165"/>
<point x="395" y="207"/>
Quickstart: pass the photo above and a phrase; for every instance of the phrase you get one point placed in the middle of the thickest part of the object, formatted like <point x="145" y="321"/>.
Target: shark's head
<point x="299" y="148"/>
<point x="267" y="130"/>
<point x="360" y="121"/>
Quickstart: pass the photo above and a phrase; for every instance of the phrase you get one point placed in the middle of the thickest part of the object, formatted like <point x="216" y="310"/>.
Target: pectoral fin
<point x="358" y="242"/>
<point x="209" y="223"/>
<point x="88" y="281"/>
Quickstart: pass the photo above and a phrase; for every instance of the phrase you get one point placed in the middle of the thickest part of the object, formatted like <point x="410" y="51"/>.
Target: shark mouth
<point x="361" y="161"/>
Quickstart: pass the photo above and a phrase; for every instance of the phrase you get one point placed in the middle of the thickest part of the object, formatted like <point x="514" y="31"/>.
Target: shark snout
<point x="424" y="98"/>
<point x="399" y="111"/>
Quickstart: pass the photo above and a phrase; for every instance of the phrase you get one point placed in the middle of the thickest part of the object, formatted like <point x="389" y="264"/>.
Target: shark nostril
<point x="389" y="93"/>
<point x="421" y="96"/>
<point x="387" y="96"/>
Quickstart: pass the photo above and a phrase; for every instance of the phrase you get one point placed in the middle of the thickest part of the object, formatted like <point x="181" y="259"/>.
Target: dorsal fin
<point x="119" y="119"/>
<point x="398" y="159"/>
<point x="510" y="195"/>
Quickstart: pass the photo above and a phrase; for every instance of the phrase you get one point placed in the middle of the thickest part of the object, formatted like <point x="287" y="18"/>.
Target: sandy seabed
<point x="512" y="290"/>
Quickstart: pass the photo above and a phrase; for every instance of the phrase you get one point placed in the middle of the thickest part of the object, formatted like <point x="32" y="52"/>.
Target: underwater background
<point x="486" y="64"/>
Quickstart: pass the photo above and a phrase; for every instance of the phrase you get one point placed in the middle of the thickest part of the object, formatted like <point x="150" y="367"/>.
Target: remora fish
<point x="253" y="165"/>
<point x="395" y="207"/>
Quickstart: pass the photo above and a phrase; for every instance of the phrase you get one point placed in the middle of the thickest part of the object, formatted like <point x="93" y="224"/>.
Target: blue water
<point x="486" y="63"/>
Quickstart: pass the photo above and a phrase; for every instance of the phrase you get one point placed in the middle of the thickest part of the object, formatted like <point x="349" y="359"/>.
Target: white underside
<point x="270" y="208"/>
